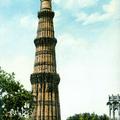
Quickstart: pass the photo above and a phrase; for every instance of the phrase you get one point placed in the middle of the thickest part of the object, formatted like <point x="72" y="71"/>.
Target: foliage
<point x="88" y="116"/>
<point x="15" y="101"/>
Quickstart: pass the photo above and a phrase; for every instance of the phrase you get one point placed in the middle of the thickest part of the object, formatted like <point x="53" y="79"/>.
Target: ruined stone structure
<point x="45" y="79"/>
<point x="114" y="105"/>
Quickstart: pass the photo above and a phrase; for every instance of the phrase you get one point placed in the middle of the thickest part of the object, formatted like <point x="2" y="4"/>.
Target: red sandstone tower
<point x="45" y="79"/>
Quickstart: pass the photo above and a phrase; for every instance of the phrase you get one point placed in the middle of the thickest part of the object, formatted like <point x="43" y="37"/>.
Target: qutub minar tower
<point x="45" y="79"/>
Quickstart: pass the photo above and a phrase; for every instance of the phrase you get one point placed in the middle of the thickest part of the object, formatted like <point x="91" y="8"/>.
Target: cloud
<point x="88" y="70"/>
<point x="92" y="18"/>
<point x="71" y="45"/>
<point x="4" y="3"/>
<point x="56" y="1"/>
<point x="57" y="18"/>
<point x="17" y="31"/>
<point x="21" y="65"/>
<point x="68" y="4"/>
<point x="110" y="12"/>
<point x="112" y="7"/>
<point x="19" y="23"/>
<point x="27" y="21"/>
<point x="15" y="48"/>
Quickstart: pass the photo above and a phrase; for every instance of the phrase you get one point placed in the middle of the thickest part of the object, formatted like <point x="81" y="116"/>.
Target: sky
<point x="87" y="52"/>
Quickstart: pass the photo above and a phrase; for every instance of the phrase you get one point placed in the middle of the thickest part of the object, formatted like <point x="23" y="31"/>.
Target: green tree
<point x="15" y="101"/>
<point x="75" y="117"/>
<point x="88" y="116"/>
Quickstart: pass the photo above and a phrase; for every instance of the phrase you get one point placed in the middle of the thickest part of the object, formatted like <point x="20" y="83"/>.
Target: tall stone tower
<point x="45" y="79"/>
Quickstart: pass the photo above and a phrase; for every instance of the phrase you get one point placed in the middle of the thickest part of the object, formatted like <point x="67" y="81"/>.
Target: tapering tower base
<point x="46" y="96"/>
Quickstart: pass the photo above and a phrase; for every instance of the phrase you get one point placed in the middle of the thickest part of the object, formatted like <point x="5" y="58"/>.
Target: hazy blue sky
<point x="88" y="49"/>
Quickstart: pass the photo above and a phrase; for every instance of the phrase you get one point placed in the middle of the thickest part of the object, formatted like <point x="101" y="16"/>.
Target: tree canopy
<point x="88" y="116"/>
<point x="15" y="100"/>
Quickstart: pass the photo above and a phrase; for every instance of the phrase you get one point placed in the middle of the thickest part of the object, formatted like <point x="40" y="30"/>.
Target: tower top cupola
<point x="46" y="5"/>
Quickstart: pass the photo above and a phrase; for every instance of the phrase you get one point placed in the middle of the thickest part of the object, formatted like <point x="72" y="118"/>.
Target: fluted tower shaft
<point x="45" y="79"/>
